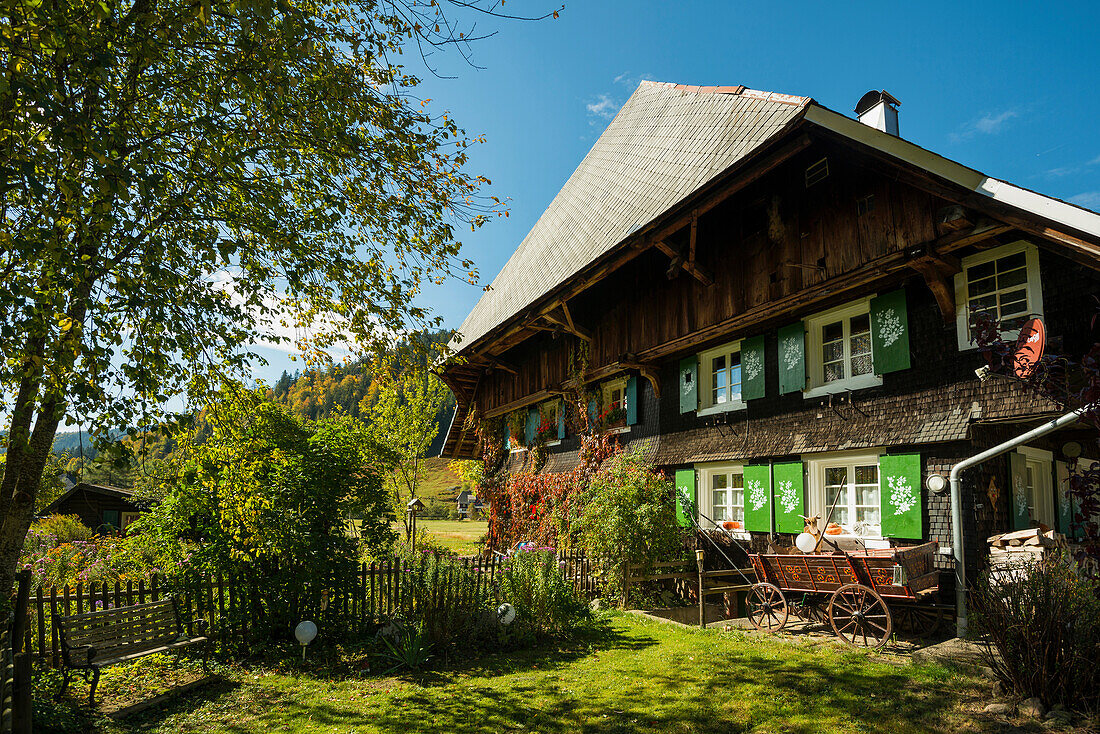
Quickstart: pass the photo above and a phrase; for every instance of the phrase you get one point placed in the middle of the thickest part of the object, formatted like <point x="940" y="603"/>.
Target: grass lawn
<point x="458" y="535"/>
<point x="631" y="675"/>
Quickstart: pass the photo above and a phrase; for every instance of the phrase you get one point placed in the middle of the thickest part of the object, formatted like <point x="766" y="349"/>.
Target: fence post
<point x="22" y="714"/>
<point x="702" y="599"/>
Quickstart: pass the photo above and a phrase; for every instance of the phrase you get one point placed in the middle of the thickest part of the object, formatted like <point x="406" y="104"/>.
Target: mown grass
<point x="460" y="536"/>
<point x="631" y="675"/>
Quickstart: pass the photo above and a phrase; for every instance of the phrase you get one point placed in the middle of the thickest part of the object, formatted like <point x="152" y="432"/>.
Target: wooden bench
<point x="93" y="640"/>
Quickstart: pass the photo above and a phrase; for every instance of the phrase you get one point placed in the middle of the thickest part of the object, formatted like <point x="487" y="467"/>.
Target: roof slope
<point x="665" y="143"/>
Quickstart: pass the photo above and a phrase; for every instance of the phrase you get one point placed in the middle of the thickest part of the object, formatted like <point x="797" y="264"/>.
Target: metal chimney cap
<point x="872" y="98"/>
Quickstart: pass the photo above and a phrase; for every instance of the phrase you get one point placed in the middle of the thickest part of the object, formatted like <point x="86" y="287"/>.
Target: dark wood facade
<point x="772" y="243"/>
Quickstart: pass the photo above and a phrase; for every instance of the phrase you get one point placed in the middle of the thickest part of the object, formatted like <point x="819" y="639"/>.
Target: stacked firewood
<point x="1009" y="552"/>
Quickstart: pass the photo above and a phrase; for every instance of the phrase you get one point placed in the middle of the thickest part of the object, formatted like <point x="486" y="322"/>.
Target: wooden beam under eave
<point x="699" y="273"/>
<point x="523" y="402"/>
<point x="940" y="286"/>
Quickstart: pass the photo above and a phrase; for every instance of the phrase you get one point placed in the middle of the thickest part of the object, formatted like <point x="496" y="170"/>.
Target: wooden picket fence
<point x="379" y="592"/>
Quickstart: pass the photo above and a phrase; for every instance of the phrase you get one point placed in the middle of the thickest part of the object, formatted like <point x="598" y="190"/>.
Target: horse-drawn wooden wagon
<point x="864" y="595"/>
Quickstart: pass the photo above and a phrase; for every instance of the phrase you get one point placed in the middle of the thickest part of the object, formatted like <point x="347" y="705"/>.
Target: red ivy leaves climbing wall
<point x="540" y="507"/>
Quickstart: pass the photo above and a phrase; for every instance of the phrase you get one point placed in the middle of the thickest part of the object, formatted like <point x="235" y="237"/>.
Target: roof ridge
<point x="740" y="90"/>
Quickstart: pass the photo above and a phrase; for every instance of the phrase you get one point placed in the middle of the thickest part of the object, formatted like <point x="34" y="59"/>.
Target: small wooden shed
<point x="98" y="505"/>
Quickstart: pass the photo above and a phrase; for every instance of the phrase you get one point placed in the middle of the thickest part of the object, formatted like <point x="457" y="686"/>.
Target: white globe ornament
<point x="305" y="632"/>
<point x="805" y="542"/>
<point x="506" y="613"/>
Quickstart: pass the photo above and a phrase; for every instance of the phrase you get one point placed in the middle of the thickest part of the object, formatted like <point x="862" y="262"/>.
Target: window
<point x="1038" y="485"/>
<point x="720" y="382"/>
<point x="614" y="404"/>
<point x="853" y="484"/>
<point x="1003" y="283"/>
<point x="110" y="517"/>
<point x="838" y="350"/>
<point x="724" y="501"/>
<point x="129" y="517"/>
<point x="548" y="422"/>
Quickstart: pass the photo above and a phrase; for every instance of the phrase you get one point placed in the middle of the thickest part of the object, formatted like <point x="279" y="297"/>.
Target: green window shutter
<point x="758" y="495"/>
<point x="792" y="358"/>
<point x="110" y="517"/>
<point x="685" y="492"/>
<point x="689" y="384"/>
<point x="507" y="437"/>
<point x="561" y="419"/>
<point x="631" y="401"/>
<point x="1017" y="505"/>
<point x="889" y="333"/>
<point x="593" y="414"/>
<point x="900" y="505"/>
<point x="790" y="497"/>
<point x="532" y="426"/>
<point x="752" y="368"/>
<point x="1068" y="506"/>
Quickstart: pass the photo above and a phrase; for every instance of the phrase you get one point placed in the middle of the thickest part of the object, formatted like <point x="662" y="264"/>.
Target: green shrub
<point x="1042" y="632"/>
<point x="444" y="600"/>
<point x="628" y="517"/>
<point x="546" y="602"/>
<point x="65" y="528"/>
<point x="435" y="511"/>
<point x="56" y="716"/>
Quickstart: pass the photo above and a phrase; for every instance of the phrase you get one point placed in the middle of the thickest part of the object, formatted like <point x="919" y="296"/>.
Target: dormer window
<point x="1002" y="283"/>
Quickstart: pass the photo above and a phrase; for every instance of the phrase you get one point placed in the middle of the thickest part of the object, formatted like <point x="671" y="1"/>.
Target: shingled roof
<point x="666" y="142"/>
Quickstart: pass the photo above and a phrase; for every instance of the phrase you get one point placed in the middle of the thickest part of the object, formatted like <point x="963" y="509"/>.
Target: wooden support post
<point x="702" y="599"/>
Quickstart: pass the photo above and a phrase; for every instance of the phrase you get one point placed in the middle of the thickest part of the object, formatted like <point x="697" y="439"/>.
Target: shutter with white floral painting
<point x="1017" y="504"/>
<point x="790" y="497"/>
<point x="685" y="496"/>
<point x="758" y="494"/>
<point x="792" y="358"/>
<point x="902" y="512"/>
<point x="752" y="368"/>
<point x="889" y="332"/>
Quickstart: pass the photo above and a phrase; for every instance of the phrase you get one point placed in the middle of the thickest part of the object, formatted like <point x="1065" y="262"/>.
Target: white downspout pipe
<point x="956" y="501"/>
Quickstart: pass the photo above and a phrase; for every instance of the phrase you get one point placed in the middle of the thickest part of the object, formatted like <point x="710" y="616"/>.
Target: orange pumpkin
<point x="731" y="525"/>
<point x="834" y="529"/>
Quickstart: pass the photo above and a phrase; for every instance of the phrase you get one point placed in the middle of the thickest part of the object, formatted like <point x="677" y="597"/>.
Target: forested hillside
<point x="355" y="387"/>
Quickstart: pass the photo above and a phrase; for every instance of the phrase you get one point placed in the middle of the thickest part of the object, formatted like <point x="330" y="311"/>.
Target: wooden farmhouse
<point x="773" y="301"/>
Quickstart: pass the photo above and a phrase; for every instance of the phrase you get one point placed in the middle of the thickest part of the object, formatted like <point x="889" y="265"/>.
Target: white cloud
<point x="988" y="124"/>
<point x="603" y="106"/>
<point x="1087" y="199"/>
<point x="991" y="124"/>
<point x="280" y="331"/>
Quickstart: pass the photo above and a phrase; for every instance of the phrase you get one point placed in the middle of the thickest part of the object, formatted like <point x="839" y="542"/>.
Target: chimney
<point x="880" y="111"/>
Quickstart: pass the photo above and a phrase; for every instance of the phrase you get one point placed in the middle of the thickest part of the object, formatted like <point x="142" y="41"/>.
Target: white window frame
<point x="706" y="381"/>
<point x="815" y="496"/>
<point x="815" y="368"/>
<point x="1042" y="471"/>
<point x="554" y="405"/>
<point x="704" y="498"/>
<point x="606" y="389"/>
<point x="1034" y="288"/>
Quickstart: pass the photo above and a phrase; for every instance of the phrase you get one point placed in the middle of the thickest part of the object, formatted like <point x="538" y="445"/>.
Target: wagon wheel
<point x="810" y="609"/>
<point x="860" y="617"/>
<point x="767" y="607"/>
<point x="917" y="620"/>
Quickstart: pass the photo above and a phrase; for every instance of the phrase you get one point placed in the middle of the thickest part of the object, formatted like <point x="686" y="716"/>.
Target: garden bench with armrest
<point x="93" y="640"/>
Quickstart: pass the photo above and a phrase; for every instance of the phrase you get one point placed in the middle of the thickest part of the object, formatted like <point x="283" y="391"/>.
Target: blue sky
<point x="1008" y="88"/>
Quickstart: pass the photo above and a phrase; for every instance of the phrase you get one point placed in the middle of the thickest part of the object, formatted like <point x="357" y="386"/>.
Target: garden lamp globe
<point x="805" y="542"/>
<point x="506" y="613"/>
<point x="304" y="633"/>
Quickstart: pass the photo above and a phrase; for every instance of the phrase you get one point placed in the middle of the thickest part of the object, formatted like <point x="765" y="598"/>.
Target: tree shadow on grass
<point x="550" y="689"/>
